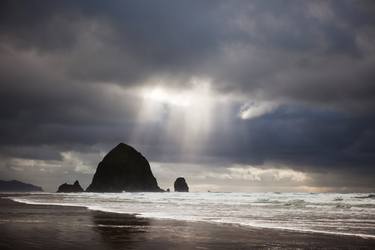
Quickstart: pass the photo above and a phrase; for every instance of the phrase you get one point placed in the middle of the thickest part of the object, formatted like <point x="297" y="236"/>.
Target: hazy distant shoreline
<point x="25" y="226"/>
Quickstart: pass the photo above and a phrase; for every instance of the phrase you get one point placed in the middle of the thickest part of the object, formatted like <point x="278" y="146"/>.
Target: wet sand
<point x="55" y="227"/>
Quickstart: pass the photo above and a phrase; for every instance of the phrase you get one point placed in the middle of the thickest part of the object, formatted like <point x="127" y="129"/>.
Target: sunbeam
<point x="186" y="115"/>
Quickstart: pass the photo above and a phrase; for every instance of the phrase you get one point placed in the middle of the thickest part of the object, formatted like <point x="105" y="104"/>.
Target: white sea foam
<point x="305" y="212"/>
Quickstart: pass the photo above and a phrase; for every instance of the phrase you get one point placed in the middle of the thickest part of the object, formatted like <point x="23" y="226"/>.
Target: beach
<point x="24" y="226"/>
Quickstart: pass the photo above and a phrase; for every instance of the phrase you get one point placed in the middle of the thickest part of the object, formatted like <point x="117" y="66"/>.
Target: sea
<point x="328" y="213"/>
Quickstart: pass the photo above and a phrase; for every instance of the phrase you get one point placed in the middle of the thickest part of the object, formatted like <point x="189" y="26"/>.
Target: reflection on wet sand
<point x="120" y="231"/>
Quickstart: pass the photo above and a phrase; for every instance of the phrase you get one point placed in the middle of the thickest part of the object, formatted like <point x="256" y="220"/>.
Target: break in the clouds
<point x="235" y="95"/>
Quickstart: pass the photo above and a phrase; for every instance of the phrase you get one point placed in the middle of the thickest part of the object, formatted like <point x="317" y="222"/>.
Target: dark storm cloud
<point x="253" y="46"/>
<point x="303" y="136"/>
<point x="65" y="68"/>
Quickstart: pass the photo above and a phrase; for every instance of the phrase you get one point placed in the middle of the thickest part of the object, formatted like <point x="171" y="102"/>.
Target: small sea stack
<point x="70" y="188"/>
<point x="180" y="185"/>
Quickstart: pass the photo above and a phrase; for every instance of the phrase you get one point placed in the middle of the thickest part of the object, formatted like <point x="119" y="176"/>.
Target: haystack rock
<point x="124" y="169"/>
<point x="69" y="188"/>
<point x="180" y="185"/>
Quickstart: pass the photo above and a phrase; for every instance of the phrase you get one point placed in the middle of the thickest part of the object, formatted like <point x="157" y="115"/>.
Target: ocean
<point x="328" y="213"/>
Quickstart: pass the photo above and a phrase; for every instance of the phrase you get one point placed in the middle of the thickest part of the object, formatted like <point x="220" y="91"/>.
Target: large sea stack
<point x="124" y="169"/>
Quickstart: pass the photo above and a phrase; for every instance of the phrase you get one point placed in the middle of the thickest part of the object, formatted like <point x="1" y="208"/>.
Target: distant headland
<point x="17" y="186"/>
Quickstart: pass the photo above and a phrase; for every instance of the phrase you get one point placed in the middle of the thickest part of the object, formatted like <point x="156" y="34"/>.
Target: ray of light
<point x="183" y="117"/>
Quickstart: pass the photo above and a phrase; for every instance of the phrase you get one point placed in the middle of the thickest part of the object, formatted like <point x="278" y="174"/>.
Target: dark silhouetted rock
<point x="124" y="169"/>
<point x="17" y="186"/>
<point x="180" y="185"/>
<point x="68" y="188"/>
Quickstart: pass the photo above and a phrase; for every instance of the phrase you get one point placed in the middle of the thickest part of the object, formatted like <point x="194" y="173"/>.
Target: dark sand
<point x="55" y="227"/>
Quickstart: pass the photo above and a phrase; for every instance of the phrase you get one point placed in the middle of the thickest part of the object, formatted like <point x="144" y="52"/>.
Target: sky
<point x="246" y="96"/>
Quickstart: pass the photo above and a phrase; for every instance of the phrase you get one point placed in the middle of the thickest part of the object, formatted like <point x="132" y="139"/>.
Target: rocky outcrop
<point x="124" y="169"/>
<point x="180" y="185"/>
<point x="17" y="186"/>
<point x="69" y="188"/>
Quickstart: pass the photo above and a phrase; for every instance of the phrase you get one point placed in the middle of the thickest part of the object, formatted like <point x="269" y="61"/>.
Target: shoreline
<point x="26" y="226"/>
<point x="237" y="225"/>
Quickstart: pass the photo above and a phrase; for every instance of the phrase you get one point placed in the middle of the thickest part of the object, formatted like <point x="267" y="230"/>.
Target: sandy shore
<point x="55" y="227"/>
